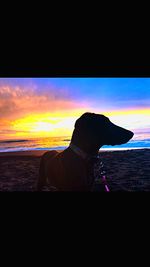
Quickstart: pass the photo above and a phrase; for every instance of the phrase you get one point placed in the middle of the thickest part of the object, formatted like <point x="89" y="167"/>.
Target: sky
<point x="42" y="107"/>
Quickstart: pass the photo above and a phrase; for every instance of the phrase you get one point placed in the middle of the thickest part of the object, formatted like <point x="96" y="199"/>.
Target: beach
<point x="127" y="170"/>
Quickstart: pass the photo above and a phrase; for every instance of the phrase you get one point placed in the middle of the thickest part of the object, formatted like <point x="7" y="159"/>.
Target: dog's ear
<point x="90" y="127"/>
<point x="91" y="122"/>
<point x="85" y="122"/>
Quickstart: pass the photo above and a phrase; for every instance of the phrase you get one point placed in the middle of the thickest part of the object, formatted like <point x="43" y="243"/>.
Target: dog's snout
<point x="131" y="134"/>
<point x="125" y="136"/>
<point x="119" y="135"/>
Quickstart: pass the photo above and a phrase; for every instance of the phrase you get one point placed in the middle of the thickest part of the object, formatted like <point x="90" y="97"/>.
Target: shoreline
<point x="39" y="153"/>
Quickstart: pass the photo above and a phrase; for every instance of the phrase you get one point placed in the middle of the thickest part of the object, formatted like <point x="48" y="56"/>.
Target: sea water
<point x="60" y="143"/>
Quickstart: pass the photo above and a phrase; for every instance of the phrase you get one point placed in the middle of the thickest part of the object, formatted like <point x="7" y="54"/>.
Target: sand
<point x="126" y="170"/>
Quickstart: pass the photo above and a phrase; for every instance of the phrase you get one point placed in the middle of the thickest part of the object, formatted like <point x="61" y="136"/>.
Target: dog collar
<point x="81" y="153"/>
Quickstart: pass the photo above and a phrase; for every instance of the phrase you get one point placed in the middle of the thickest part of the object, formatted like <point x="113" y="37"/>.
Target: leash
<point x="98" y="171"/>
<point x="100" y="174"/>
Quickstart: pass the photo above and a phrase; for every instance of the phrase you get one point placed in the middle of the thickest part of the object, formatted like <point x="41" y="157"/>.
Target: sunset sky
<point x="38" y="107"/>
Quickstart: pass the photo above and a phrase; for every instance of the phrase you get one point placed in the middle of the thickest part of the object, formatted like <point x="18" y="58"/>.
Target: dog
<point x="70" y="170"/>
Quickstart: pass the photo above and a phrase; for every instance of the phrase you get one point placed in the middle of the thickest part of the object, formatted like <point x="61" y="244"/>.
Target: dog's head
<point x="99" y="129"/>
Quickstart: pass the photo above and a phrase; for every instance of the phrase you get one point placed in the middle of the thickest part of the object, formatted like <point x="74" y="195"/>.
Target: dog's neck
<point x="84" y="155"/>
<point x="86" y="146"/>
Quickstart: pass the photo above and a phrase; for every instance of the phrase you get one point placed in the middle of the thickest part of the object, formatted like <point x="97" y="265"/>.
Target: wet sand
<point x="127" y="170"/>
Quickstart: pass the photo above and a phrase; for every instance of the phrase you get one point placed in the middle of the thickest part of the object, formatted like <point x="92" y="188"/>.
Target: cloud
<point x="17" y="101"/>
<point x="7" y="131"/>
<point x="143" y="131"/>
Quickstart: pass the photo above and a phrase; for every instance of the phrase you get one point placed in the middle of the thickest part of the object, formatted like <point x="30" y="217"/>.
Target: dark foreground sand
<point x="126" y="170"/>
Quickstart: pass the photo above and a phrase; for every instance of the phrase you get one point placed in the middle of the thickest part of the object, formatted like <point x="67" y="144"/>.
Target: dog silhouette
<point x="70" y="170"/>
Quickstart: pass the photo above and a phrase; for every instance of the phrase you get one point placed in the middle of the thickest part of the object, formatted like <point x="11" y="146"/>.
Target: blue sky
<point x="111" y="92"/>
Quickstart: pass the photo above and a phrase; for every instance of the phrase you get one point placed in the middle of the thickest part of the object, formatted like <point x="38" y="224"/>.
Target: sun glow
<point x="62" y="123"/>
<point x="42" y="127"/>
<point x="48" y="124"/>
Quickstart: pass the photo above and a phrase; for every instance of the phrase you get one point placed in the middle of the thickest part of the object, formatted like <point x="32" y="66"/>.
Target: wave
<point x="13" y="141"/>
<point x="51" y="148"/>
<point x="31" y="148"/>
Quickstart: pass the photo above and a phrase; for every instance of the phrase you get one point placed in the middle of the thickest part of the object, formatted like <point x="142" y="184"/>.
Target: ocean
<point x="60" y="143"/>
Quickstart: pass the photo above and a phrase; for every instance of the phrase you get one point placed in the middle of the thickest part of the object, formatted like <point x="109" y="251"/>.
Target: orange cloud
<point x="17" y="102"/>
<point x="27" y="112"/>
